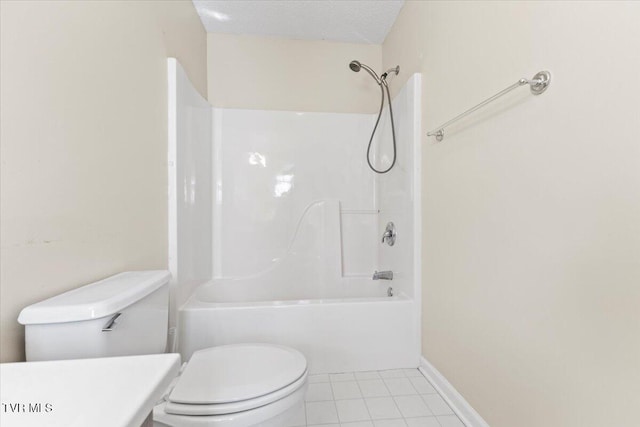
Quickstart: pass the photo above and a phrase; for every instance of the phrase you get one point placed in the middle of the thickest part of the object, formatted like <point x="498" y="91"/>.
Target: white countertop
<point x="109" y="392"/>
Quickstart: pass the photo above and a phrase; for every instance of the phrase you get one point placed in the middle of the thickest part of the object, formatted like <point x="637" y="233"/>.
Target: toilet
<point x="238" y="385"/>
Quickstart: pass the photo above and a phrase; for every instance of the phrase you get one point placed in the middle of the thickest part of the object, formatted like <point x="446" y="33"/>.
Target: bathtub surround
<point x="294" y="188"/>
<point x="272" y="171"/>
<point x="531" y="255"/>
<point x="190" y="189"/>
<point x="295" y="228"/>
<point x="398" y="193"/>
<point x="84" y="131"/>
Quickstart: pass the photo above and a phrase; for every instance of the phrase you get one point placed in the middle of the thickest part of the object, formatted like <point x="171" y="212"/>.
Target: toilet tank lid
<point x="95" y="300"/>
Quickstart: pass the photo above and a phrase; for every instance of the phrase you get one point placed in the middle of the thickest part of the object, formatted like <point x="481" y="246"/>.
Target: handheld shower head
<point x="356" y="66"/>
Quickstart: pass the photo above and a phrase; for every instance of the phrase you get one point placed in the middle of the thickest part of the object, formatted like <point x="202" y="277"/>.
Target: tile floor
<point x="395" y="398"/>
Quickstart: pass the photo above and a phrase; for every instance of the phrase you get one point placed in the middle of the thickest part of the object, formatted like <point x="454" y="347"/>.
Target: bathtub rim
<point x="194" y="303"/>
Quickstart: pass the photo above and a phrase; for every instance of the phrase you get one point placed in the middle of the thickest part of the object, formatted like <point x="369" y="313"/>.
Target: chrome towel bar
<point x="538" y="84"/>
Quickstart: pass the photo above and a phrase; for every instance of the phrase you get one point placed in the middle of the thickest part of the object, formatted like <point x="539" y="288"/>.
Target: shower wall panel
<point x="359" y="242"/>
<point x="190" y="186"/>
<point x="397" y="192"/>
<point x="270" y="168"/>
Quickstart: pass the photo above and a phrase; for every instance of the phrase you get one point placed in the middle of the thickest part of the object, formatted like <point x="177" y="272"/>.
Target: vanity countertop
<point x="109" y="392"/>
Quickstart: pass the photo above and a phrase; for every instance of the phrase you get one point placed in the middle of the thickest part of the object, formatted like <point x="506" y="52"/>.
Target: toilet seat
<point x="234" y="407"/>
<point x="276" y="414"/>
<point x="235" y="378"/>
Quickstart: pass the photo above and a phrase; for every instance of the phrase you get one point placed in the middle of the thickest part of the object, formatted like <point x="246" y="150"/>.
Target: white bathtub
<point x="366" y="331"/>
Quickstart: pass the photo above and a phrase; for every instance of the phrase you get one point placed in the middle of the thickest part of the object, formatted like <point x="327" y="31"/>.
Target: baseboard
<point x="458" y="404"/>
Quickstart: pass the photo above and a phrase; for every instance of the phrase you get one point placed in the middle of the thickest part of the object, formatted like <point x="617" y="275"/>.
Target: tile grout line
<point x="304" y="404"/>
<point x="420" y="397"/>
<point x="434" y="415"/>
<point x="384" y="382"/>
<point x="393" y="397"/>
<point x="363" y="399"/>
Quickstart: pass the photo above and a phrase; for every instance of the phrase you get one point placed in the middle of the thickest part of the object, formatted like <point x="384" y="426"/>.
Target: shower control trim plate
<point x="389" y="234"/>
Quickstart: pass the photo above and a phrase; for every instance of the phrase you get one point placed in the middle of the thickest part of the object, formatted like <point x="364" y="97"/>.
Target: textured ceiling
<point x="363" y="21"/>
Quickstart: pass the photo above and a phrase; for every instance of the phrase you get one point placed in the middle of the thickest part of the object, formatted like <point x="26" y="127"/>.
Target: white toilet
<point x="236" y="385"/>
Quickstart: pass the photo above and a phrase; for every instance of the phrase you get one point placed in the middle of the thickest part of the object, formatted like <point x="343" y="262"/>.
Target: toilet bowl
<point x="237" y="385"/>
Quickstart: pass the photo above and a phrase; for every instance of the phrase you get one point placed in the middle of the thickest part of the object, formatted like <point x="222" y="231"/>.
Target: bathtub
<point x="358" y="328"/>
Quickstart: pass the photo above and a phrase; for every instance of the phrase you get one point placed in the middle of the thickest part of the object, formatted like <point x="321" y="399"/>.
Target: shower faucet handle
<point x="382" y="275"/>
<point x="389" y="234"/>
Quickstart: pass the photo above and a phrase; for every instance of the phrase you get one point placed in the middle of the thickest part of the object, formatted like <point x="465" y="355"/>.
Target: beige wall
<point x="84" y="143"/>
<point x="531" y="260"/>
<point x="296" y="75"/>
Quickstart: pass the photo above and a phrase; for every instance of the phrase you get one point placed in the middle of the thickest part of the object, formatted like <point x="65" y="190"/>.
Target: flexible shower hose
<point x="393" y="131"/>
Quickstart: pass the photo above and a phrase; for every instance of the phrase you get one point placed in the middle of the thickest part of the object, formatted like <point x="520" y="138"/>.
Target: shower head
<point x="357" y="66"/>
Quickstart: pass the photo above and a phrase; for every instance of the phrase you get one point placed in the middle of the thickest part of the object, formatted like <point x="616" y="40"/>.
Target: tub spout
<point x="383" y="275"/>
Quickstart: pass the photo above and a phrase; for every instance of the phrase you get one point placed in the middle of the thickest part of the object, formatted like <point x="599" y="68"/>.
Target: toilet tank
<point x="125" y="314"/>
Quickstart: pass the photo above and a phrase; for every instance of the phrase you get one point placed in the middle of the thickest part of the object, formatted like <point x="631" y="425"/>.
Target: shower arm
<point x="395" y="70"/>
